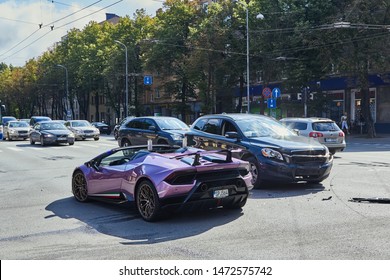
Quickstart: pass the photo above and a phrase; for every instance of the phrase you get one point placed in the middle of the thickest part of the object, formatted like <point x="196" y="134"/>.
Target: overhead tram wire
<point x="52" y="30"/>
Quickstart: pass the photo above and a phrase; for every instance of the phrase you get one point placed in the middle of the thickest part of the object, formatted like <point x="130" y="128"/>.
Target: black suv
<point x="274" y="152"/>
<point x="162" y="130"/>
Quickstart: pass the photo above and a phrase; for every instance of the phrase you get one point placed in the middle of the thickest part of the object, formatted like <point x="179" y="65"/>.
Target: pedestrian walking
<point x="344" y="123"/>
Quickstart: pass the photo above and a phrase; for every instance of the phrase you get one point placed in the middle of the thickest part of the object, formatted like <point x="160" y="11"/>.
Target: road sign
<point x="267" y="93"/>
<point x="148" y="80"/>
<point x="276" y="93"/>
<point x="271" y="103"/>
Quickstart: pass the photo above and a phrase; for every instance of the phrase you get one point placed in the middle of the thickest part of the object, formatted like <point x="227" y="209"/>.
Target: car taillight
<point x="315" y="134"/>
<point x="341" y="134"/>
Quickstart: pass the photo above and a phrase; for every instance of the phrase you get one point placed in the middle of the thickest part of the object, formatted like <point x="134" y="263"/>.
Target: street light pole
<point x="66" y="88"/>
<point x="127" y="77"/>
<point x="259" y="16"/>
<point x="247" y="58"/>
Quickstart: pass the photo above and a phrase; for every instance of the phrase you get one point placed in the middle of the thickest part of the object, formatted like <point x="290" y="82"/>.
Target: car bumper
<point x="53" y="140"/>
<point x="87" y="135"/>
<point x="18" y="136"/>
<point x="289" y="173"/>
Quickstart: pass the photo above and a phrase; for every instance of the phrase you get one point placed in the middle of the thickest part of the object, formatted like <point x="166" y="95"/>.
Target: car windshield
<point x="53" y="126"/>
<point x="80" y="124"/>
<point x="262" y="127"/>
<point x="325" y="126"/>
<point x="18" y="124"/>
<point x="171" y="124"/>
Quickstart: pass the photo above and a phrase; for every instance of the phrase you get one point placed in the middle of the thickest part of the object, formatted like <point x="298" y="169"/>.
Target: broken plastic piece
<point x="370" y="199"/>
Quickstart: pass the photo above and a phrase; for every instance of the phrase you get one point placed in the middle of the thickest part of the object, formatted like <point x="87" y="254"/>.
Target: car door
<point x="35" y="133"/>
<point x="134" y="132"/>
<point x="110" y="173"/>
<point x="149" y="131"/>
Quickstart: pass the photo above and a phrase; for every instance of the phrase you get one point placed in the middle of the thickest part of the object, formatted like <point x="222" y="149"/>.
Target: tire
<point x="79" y="187"/>
<point x="125" y="143"/>
<point x="42" y="143"/>
<point x="147" y="201"/>
<point x="31" y="141"/>
<point x="71" y="143"/>
<point x="254" y="169"/>
<point x="96" y="138"/>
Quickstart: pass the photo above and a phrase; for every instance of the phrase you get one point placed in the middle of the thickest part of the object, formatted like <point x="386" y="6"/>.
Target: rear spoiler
<point x="206" y="155"/>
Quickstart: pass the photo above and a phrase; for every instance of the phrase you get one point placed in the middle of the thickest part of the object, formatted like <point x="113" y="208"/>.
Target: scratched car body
<point x="164" y="179"/>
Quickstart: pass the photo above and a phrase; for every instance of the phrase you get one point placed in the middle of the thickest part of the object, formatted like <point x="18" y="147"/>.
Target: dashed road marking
<point x="15" y="149"/>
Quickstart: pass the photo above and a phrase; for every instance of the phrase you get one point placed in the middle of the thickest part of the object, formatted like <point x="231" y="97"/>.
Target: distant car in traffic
<point x="51" y="132"/>
<point x="37" y="119"/>
<point x="164" y="179"/>
<point x="275" y="153"/>
<point x="83" y="129"/>
<point x="324" y="130"/>
<point x="161" y="130"/>
<point x="6" y="119"/>
<point x="103" y="127"/>
<point x="16" y="130"/>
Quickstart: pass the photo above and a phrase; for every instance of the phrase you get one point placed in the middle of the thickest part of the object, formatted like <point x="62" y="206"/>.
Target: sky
<point x="22" y="39"/>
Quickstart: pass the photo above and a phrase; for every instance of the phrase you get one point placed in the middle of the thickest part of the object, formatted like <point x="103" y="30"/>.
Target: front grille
<point x="22" y="131"/>
<point x="308" y="157"/>
<point x="88" y="131"/>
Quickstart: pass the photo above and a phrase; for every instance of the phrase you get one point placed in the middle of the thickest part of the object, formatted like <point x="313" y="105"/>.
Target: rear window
<point x="296" y="125"/>
<point x="325" y="126"/>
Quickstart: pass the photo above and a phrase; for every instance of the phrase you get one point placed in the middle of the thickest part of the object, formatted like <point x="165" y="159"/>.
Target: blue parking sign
<point x="271" y="103"/>
<point x="148" y="80"/>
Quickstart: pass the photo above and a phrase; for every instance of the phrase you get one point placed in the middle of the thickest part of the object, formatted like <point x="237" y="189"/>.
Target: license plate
<point x="221" y="193"/>
<point x="330" y="140"/>
<point x="61" y="138"/>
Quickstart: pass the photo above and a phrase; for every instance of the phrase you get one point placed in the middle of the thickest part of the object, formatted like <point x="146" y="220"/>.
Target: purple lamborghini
<point x="164" y="179"/>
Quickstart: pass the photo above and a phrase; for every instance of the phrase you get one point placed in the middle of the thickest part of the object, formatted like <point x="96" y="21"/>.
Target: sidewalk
<point x="363" y="138"/>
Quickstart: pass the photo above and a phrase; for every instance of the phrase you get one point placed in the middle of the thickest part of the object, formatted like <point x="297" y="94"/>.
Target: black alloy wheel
<point x="79" y="187"/>
<point x="148" y="204"/>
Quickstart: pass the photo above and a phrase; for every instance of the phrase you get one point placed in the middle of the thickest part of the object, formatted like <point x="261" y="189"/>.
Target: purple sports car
<point x="164" y="179"/>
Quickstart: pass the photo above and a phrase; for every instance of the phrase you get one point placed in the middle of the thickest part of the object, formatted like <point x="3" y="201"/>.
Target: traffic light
<point x="311" y="96"/>
<point x="299" y="96"/>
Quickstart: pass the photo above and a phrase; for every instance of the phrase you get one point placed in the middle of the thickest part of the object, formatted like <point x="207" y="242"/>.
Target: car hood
<point x="287" y="143"/>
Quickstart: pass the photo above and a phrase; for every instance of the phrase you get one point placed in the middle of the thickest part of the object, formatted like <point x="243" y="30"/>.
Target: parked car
<point x="37" y="119"/>
<point x="161" y="130"/>
<point x="25" y="120"/>
<point x="16" y="130"/>
<point x="275" y="153"/>
<point x="103" y="127"/>
<point x="324" y="130"/>
<point x="51" y="132"/>
<point x="164" y="179"/>
<point x="6" y="119"/>
<point x="117" y="126"/>
<point x="83" y="129"/>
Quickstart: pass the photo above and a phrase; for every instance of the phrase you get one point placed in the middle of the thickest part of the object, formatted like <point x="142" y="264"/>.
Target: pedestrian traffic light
<point x="311" y="96"/>
<point x="299" y="96"/>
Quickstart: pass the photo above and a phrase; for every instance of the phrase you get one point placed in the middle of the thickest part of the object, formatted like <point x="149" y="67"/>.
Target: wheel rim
<point x="254" y="172"/>
<point x="79" y="187"/>
<point x="126" y="144"/>
<point x="146" y="201"/>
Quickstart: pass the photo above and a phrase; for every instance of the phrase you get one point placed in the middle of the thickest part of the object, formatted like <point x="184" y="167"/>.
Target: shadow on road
<point x="286" y="190"/>
<point x="123" y="221"/>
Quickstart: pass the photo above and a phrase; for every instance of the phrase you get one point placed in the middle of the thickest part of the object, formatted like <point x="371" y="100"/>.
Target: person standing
<point x="344" y="123"/>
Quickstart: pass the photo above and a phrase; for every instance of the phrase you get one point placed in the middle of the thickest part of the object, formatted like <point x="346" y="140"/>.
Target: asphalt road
<point x="39" y="219"/>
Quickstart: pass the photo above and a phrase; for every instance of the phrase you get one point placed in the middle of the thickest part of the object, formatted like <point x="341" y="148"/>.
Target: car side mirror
<point x="232" y="135"/>
<point x="152" y="127"/>
<point x="296" y="131"/>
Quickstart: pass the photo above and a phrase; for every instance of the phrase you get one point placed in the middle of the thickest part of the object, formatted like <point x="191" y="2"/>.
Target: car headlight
<point x="177" y="137"/>
<point x="271" y="153"/>
<point x="47" y="135"/>
<point x="71" y="135"/>
<point x="12" y="131"/>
